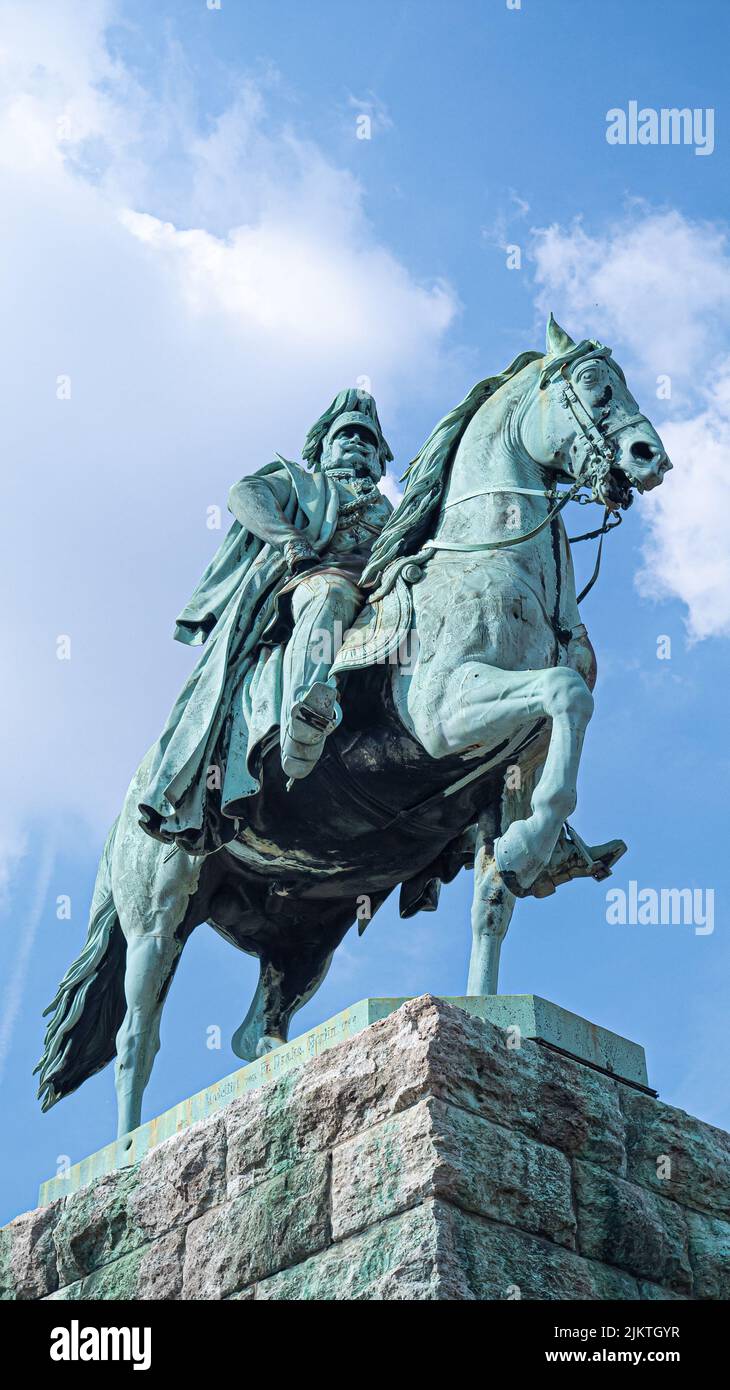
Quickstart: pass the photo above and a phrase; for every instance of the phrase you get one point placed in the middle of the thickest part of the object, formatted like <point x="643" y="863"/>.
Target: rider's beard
<point x="369" y="468"/>
<point x="359" y="467"/>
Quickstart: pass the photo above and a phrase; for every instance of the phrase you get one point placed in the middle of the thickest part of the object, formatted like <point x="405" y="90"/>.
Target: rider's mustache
<point x="361" y="457"/>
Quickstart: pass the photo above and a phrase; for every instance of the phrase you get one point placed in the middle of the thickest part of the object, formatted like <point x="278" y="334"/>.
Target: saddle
<point x="381" y="629"/>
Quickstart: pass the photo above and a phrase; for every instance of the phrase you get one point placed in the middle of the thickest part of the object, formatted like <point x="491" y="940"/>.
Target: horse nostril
<point x="642" y="451"/>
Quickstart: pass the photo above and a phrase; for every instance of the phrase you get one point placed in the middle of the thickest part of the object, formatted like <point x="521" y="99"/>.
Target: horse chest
<point x="492" y="608"/>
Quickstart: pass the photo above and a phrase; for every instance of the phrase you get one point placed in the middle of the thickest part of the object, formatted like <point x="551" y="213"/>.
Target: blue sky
<point x="195" y="237"/>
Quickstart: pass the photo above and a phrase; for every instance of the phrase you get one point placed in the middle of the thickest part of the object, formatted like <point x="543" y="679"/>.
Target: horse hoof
<point x="515" y="860"/>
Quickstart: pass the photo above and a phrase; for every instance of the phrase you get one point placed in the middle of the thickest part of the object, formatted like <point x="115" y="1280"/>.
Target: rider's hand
<point x="299" y="555"/>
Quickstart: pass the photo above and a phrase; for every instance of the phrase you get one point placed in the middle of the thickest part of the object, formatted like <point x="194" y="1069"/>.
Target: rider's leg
<point x="323" y="608"/>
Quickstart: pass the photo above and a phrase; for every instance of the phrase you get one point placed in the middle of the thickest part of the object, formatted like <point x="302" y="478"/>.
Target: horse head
<point x="582" y="423"/>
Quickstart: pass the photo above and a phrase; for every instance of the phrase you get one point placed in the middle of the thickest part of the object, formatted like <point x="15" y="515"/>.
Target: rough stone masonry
<point x="424" y="1158"/>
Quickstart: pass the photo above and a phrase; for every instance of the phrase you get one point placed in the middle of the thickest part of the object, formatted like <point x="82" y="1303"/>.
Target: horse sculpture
<point x="466" y="689"/>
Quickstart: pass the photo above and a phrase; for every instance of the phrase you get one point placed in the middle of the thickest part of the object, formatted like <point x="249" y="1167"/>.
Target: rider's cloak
<point x="205" y="761"/>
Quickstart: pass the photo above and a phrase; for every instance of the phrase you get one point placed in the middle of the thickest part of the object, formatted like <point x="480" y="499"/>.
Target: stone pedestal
<point x="427" y="1155"/>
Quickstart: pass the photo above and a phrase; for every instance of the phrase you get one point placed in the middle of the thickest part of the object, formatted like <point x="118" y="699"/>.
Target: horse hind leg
<point x="154" y="896"/>
<point x="294" y="960"/>
<point x="150" y="966"/>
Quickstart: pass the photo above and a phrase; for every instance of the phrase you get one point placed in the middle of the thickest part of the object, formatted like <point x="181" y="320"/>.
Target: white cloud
<point x="392" y="489"/>
<point x="372" y="106"/>
<point x="656" y="281"/>
<point x="12" y="997"/>
<point x="293" y="285"/>
<point x="687" y="554"/>
<point x="656" y="286"/>
<point x="207" y="292"/>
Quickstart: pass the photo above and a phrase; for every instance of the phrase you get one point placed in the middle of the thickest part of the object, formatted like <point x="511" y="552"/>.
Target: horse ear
<point x="556" y="339"/>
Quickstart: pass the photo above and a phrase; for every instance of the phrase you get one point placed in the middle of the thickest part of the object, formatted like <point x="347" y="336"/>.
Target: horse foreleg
<point x="526" y="846"/>
<point x="493" y="903"/>
<point x="486" y="704"/>
<point x="491" y="910"/>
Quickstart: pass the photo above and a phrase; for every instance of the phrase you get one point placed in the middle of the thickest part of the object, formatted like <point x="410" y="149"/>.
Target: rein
<point x="601" y="452"/>
<point x="590" y="536"/>
<point x="508" y="540"/>
<point x="529" y="535"/>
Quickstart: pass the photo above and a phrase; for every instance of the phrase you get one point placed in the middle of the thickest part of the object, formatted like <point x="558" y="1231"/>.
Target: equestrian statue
<point x="385" y="696"/>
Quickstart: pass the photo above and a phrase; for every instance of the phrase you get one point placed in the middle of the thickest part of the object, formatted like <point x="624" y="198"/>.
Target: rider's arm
<point x="254" y="502"/>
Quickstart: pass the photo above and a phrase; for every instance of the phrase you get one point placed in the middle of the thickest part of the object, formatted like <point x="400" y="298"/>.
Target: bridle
<point x="597" y="437"/>
<point x="594" y="474"/>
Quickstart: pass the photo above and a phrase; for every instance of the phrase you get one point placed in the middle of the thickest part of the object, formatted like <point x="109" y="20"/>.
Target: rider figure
<point x="322" y="598"/>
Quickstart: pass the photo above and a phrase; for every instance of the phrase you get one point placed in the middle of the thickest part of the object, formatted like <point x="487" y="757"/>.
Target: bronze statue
<point x="295" y="782"/>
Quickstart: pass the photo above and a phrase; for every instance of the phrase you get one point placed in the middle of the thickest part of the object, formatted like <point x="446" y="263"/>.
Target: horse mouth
<point x="618" y="488"/>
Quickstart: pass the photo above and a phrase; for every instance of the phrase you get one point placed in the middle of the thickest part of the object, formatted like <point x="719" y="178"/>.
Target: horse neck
<point x="491" y="454"/>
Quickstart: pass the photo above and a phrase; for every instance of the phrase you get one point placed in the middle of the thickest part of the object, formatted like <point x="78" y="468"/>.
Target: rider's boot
<point x="323" y="607"/>
<point x="313" y="716"/>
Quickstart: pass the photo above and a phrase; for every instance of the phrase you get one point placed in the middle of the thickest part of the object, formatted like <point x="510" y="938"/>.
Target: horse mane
<point x="427" y="474"/>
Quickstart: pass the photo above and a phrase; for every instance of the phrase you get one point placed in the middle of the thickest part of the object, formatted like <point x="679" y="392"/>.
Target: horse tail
<point x="89" y="1006"/>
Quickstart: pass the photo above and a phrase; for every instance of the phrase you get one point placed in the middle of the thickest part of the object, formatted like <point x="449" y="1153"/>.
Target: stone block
<point x="624" y="1225"/>
<point x="180" y="1179"/>
<point x="436" y="1150"/>
<point x="709" y="1253"/>
<point x="420" y="1156"/>
<point x="676" y="1155"/>
<point x="434" y="1252"/>
<point x="28" y="1265"/>
<point x="276" y="1224"/>
<point x="96" y="1226"/>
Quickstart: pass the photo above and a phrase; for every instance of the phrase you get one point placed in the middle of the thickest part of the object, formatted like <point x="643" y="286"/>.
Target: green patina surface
<point x="529" y="1016"/>
<point x="548" y="1023"/>
<point x="430" y="1157"/>
<point x="485" y="695"/>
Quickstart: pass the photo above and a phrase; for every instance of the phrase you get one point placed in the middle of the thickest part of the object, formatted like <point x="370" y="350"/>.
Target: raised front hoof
<point x="516" y="860"/>
<point x="572" y="858"/>
<point x="268" y="1043"/>
<point x="605" y="856"/>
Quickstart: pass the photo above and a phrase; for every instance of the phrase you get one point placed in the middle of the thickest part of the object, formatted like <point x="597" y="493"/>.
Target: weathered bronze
<point x="298" y="781"/>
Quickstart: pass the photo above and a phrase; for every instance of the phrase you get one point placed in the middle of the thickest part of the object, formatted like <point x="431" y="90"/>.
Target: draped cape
<point x="205" y="763"/>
